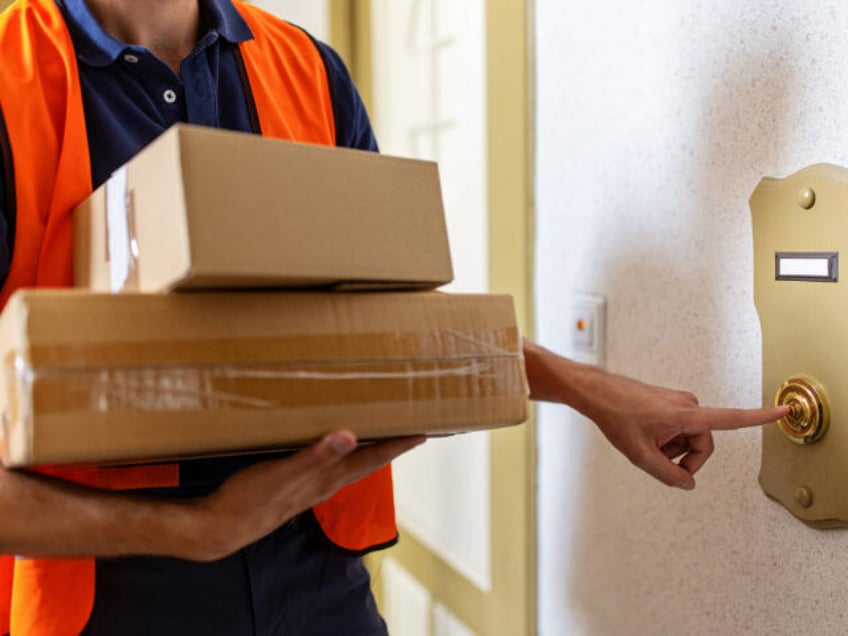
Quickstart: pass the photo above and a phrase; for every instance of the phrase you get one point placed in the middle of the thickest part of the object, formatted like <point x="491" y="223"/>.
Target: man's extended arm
<point x="40" y="516"/>
<point x="650" y="425"/>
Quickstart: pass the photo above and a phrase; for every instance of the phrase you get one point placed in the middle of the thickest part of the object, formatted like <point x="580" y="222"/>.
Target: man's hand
<point x="41" y="516"/>
<point x="261" y="498"/>
<point x="651" y="426"/>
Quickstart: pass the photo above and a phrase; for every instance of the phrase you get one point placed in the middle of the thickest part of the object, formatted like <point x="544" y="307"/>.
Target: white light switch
<point x="588" y="328"/>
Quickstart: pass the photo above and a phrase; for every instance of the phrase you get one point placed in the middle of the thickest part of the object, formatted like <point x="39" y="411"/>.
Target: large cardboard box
<point x="207" y="208"/>
<point x="110" y="378"/>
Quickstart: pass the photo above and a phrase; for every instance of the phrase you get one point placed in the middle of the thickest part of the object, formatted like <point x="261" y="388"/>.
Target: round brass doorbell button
<point x="810" y="414"/>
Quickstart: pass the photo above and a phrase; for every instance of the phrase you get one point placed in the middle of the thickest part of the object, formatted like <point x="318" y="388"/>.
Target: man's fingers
<point x="711" y="419"/>
<point x="700" y="448"/>
<point x="338" y="461"/>
<point x="676" y="447"/>
<point x="330" y="449"/>
<point x="661" y="467"/>
<point x="318" y="471"/>
<point x="261" y="497"/>
<point x="369" y="458"/>
<point x="269" y="476"/>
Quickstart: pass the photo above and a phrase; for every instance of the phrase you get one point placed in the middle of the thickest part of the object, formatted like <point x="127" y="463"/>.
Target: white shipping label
<point x="117" y="228"/>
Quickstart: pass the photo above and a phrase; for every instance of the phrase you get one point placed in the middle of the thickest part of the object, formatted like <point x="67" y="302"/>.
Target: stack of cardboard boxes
<point x="186" y="336"/>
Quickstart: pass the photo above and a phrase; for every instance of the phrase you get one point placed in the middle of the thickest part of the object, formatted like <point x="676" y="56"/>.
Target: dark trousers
<point x="291" y="583"/>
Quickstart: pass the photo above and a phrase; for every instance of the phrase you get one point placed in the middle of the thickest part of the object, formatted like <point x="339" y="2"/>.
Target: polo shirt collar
<point x="96" y="47"/>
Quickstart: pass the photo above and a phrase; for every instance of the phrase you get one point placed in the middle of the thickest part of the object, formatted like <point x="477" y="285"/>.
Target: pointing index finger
<point x="716" y="419"/>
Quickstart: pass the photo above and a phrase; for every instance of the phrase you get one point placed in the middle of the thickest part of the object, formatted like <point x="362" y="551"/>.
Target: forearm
<point x="45" y="517"/>
<point x="40" y="516"/>
<point x="553" y="378"/>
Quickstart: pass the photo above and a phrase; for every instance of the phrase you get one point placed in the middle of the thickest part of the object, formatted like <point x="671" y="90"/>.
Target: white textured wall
<point x="656" y="119"/>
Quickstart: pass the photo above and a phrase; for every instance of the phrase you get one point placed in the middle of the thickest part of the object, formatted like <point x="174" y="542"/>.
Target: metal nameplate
<point x="813" y="267"/>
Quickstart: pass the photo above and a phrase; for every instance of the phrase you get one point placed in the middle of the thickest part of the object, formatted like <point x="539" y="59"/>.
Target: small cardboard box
<point x="111" y="378"/>
<point x="206" y="208"/>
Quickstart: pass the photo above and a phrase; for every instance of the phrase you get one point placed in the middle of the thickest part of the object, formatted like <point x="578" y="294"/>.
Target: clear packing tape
<point x="72" y="412"/>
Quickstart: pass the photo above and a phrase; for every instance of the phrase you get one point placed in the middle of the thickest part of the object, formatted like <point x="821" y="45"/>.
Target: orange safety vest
<point x="41" y="105"/>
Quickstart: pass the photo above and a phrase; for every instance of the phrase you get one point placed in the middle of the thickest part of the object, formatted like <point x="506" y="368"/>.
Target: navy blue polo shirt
<point x="130" y="96"/>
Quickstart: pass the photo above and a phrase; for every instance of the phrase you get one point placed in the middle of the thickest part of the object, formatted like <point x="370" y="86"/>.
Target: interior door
<point x="449" y="81"/>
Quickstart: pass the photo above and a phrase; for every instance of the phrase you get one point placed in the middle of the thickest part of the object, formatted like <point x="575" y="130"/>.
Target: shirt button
<point x="132" y="59"/>
<point x="169" y="96"/>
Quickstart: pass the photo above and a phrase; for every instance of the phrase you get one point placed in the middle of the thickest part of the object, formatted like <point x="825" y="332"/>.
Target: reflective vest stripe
<point x="120" y="478"/>
<point x="7" y="572"/>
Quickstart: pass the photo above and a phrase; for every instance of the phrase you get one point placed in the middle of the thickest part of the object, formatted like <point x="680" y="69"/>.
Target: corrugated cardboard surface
<point x="102" y="378"/>
<point x="218" y="209"/>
